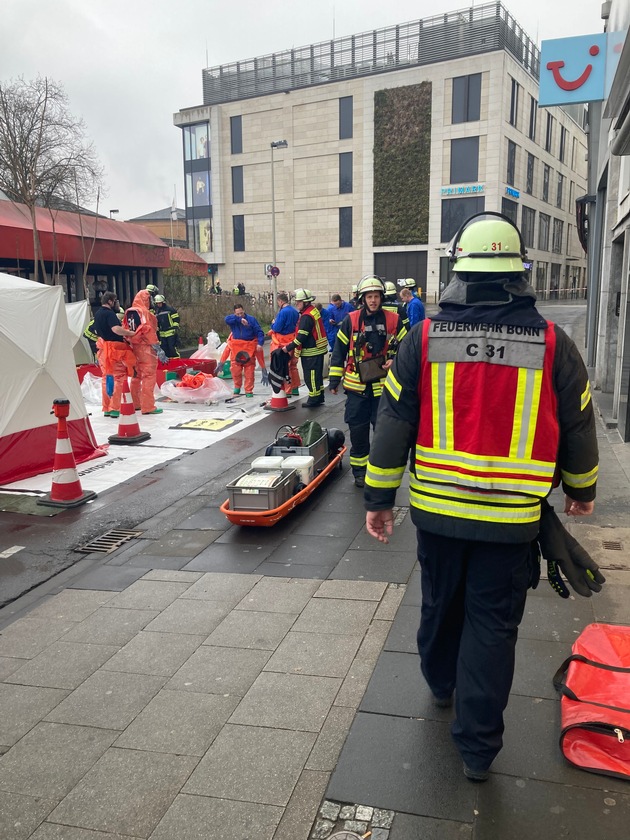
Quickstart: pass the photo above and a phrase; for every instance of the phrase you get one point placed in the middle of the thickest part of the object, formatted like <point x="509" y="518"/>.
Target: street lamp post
<point x="277" y="144"/>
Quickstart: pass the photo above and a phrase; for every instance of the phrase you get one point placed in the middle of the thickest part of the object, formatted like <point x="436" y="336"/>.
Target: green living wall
<point x="402" y="160"/>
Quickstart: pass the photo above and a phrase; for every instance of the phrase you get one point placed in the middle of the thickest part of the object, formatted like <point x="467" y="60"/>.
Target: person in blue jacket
<point x="415" y="307"/>
<point x="333" y="316"/>
<point x="246" y="341"/>
<point x="283" y="329"/>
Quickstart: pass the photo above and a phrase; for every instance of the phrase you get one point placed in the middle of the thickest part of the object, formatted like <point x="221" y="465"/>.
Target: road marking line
<point x="9" y="551"/>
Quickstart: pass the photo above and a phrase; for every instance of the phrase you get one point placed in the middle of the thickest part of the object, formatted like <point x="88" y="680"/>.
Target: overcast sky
<point x="128" y="65"/>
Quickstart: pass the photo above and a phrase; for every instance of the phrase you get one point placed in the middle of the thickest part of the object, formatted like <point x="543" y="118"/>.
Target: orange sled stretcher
<point x="262" y="514"/>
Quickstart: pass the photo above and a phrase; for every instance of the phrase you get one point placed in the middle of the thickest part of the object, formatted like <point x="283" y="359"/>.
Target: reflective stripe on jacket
<point x="310" y="339"/>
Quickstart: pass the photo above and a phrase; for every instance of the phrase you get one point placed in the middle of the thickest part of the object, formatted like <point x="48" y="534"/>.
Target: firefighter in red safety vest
<point x="494" y="403"/>
<point x="364" y="349"/>
<point x="311" y="345"/>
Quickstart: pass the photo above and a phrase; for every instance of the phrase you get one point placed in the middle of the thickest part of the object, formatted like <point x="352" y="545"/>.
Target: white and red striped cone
<point x="278" y="402"/>
<point x="128" y="427"/>
<point x="66" y="491"/>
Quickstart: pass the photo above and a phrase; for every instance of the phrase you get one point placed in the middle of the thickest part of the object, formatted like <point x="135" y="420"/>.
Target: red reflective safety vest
<point x="488" y="435"/>
<point x="319" y="344"/>
<point x="351" y="380"/>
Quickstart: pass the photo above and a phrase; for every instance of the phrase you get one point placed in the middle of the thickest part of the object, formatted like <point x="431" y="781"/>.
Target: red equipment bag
<point x="595" y="705"/>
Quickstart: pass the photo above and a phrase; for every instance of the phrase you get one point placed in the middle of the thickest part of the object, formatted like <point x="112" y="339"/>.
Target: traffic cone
<point x="66" y="491"/>
<point x="278" y="402"/>
<point x="200" y="344"/>
<point x="128" y="428"/>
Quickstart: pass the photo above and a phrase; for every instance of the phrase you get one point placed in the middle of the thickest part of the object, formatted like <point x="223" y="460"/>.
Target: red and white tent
<point x="36" y="367"/>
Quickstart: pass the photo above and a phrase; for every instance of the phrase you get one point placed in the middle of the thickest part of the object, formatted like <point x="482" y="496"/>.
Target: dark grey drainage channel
<point x="109" y="541"/>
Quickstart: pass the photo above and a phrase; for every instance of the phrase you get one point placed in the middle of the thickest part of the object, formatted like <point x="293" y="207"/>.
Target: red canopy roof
<point x="115" y="243"/>
<point x="192" y="263"/>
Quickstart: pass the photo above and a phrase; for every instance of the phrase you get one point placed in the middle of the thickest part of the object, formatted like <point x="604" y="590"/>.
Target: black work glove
<point x="533" y="562"/>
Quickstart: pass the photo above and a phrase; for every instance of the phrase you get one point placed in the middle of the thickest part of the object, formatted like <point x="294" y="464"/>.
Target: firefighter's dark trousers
<point x="473" y="598"/>
<point x="359" y="415"/>
<point x="313" y="370"/>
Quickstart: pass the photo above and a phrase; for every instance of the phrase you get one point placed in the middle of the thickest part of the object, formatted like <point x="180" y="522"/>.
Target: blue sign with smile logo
<point x="573" y="70"/>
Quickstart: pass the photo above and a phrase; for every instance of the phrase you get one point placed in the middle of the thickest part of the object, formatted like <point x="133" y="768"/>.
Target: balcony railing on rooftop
<point x="479" y="29"/>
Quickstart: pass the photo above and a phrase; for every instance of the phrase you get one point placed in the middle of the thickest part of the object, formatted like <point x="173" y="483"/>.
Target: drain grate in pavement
<point x="612" y="545"/>
<point x="109" y="541"/>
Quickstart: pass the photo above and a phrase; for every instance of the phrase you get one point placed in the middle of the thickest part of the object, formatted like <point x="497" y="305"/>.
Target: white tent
<point x="37" y="367"/>
<point x="78" y="315"/>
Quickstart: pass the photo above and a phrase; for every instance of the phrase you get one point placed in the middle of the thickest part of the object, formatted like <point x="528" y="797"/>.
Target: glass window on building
<point x="543" y="231"/>
<point x="559" y="190"/>
<point x="510" y="209"/>
<point x="455" y="211"/>
<point x="546" y="177"/>
<point x="345" y="227"/>
<point x="549" y="133"/>
<point x="569" y="235"/>
<point x="571" y="196"/>
<point x="464" y="160"/>
<point x="558" y="231"/>
<point x="514" y="103"/>
<point x="236" y="135"/>
<point x="466" y="106"/>
<point x="200" y="189"/>
<point x="554" y="285"/>
<point x="237" y="185"/>
<point x="511" y="163"/>
<point x="186" y="136"/>
<point x="345" y="117"/>
<point x="529" y="183"/>
<point x="541" y="278"/>
<point x="528" y="222"/>
<point x="200" y="142"/>
<point x="573" y="152"/>
<point x="238" y="230"/>
<point x="345" y="172"/>
<point x="563" y="144"/>
<point x="533" y="114"/>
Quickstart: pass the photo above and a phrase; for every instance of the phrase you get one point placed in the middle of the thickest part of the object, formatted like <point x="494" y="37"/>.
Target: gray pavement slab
<point x="248" y="629"/>
<point x="125" y="792"/>
<point x="393" y="566"/>
<point x="149" y="595"/>
<point x="252" y="764"/>
<point x="189" y="616"/>
<point x="336" y="616"/>
<point x="555" y="618"/>
<point x="612" y="604"/>
<point x="269" y="537"/>
<point x="227" y="588"/>
<point x="27" y="637"/>
<point x="206" y="519"/>
<point x="184" y="543"/>
<point x="110" y="626"/>
<point x="402" y="637"/>
<point x="20" y="815"/>
<point x="219" y="670"/>
<point x="407" y="827"/>
<point x="351" y="590"/>
<point x="413" y="591"/>
<point x="158" y="654"/>
<point x="320" y="655"/>
<point x="287" y="701"/>
<point x="389" y="762"/>
<point x="296" y="570"/>
<point x="63" y="665"/>
<point x="537" y="661"/>
<point x="330" y="740"/>
<point x="22" y="707"/>
<point x="9" y="664"/>
<point x="217" y="819"/>
<point x="107" y="699"/>
<point x="72" y="605"/>
<point x="112" y="578"/>
<point x="305" y="551"/>
<point x="223" y="558"/>
<point x="279" y="595"/>
<point x="523" y="807"/>
<point x="49" y="831"/>
<point x="178" y="722"/>
<point x="50" y="759"/>
<point x="157" y="561"/>
<point x="327" y="523"/>
<point x="303" y="804"/>
<point x="173" y="575"/>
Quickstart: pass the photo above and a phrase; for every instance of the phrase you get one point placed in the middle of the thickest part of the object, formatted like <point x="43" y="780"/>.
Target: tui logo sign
<point x="577" y="69"/>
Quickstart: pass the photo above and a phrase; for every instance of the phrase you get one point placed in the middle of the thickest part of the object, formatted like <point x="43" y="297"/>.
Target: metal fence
<point x="478" y="29"/>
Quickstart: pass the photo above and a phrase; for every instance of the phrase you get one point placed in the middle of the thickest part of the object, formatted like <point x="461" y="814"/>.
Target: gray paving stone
<point x="23" y="706"/>
<point x="354" y="685"/>
<point x="392" y="599"/>
<point x="351" y="590"/>
<point x="178" y="722"/>
<point x="303" y="552"/>
<point x="325" y="523"/>
<point x="63" y="665"/>
<point x="402" y="636"/>
<point x="219" y="670"/>
<point x="126" y="792"/>
<point x="50" y="759"/>
<point x="280" y="595"/>
<point x="20" y="815"/>
<point x="246" y="629"/>
<point x="252" y="764"/>
<point x="223" y="587"/>
<point x="611" y="605"/>
<point x="237" y="536"/>
<point x="287" y="701"/>
<point x="413" y="592"/>
<point x="160" y="654"/>
<point x="71" y="605"/>
<point x="418" y="771"/>
<point x="295" y="570"/>
<point x="524" y="808"/>
<point x="27" y="637"/>
<point x="110" y="626"/>
<point x="8" y="665"/>
<point x="182" y="543"/>
<point x="330" y="740"/>
<point x="208" y="518"/>
<point x="188" y="616"/>
<point x="556" y="619"/>
<point x="402" y="539"/>
<point x="329" y="615"/>
<point x="158" y="562"/>
<point x="107" y="699"/>
<point x="149" y="595"/>
<point x="536" y="663"/>
<point x="48" y="831"/>
<point x="173" y="575"/>
<point x="317" y="654"/>
<point x="220" y="819"/>
<point x="393" y="567"/>
<point x="407" y="827"/>
<point x="298" y="815"/>
<point x="108" y="578"/>
<point x="229" y="559"/>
